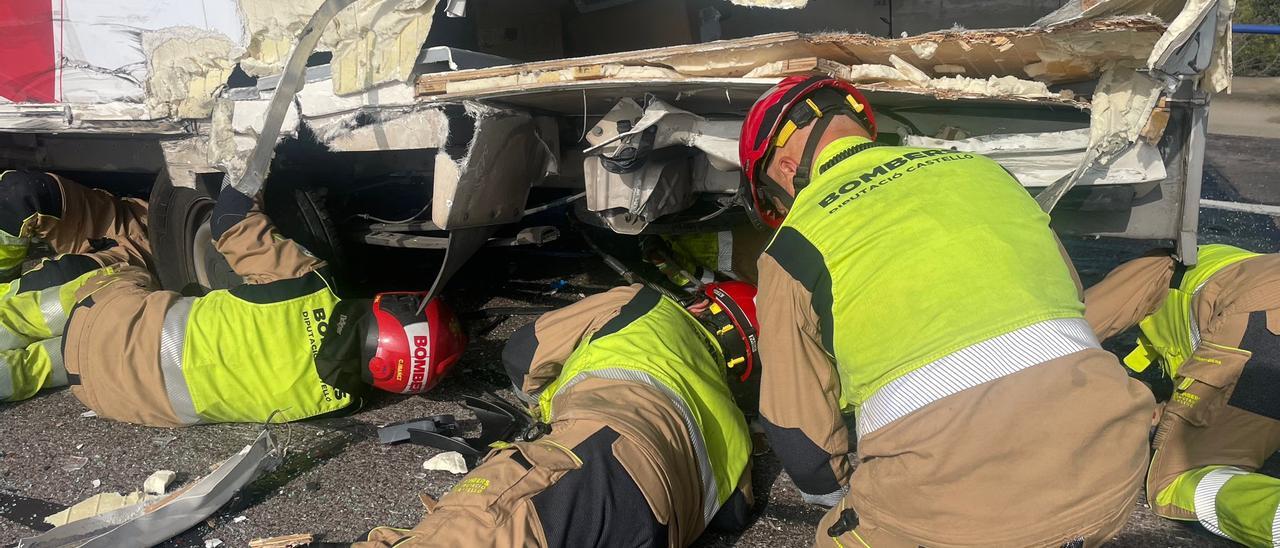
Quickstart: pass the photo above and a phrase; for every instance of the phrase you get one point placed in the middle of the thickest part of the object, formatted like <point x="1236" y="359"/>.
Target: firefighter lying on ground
<point x="925" y="290"/>
<point x="646" y="445"/>
<point x="1212" y="328"/>
<point x="91" y="318"/>
<point x="692" y="259"/>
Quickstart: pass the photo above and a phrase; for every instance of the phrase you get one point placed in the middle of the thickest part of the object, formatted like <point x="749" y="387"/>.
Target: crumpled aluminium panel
<point x="153" y="522"/>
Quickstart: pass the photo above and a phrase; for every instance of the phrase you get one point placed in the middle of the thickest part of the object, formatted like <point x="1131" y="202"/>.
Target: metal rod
<point x="292" y="78"/>
<point x="1260" y="209"/>
<point x="1246" y="28"/>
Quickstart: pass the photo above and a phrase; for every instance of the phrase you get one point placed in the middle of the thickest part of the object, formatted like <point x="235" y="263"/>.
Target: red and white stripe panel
<point x="90" y="51"/>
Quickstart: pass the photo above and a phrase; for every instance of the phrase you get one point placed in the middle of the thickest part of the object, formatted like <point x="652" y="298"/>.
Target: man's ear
<point x="788" y="165"/>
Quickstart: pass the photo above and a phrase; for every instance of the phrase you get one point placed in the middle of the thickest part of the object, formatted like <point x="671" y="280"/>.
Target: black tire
<point x="178" y="227"/>
<point x="300" y="215"/>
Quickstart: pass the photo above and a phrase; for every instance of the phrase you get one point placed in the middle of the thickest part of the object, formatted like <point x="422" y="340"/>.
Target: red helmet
<point x="772" y="121"/>
<point x="732" y="317"/>
<point x="408" y="352"/>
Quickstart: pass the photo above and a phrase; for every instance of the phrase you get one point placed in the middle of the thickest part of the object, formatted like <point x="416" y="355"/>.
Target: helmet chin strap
<point x="801" y="178"/>
<point x="773" y="190"/>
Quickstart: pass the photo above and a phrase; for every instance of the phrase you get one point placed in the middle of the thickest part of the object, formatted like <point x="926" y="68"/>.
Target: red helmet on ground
<point x="772" y="120"/>
<point x="732" y="318"/>
<point x="408" y="352"/>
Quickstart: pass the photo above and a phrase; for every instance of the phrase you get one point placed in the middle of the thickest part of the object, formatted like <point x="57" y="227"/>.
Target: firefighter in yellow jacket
<point x="646" y="446"/>
<point x="1213" y="329"/>
<point x="92" y="319"/>
<point x="924" y="290"/>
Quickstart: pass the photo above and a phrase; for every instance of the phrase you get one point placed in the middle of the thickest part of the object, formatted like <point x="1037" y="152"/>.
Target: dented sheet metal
<point x="150" y="523"/>
<point x="673" y="126"/>
<point x="174" y="57"/>
<point x="483" y="177"/>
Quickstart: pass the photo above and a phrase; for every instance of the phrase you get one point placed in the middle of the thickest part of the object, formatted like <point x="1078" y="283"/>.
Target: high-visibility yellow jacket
<point x="654" y="341"/>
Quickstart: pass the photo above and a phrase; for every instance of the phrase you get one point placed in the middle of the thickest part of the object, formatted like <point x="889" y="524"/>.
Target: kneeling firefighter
<point x="1213" y="329"/>
<point x="645" y="445"/>
<point x="94" y="320"/>
<point x="924" y="290"/>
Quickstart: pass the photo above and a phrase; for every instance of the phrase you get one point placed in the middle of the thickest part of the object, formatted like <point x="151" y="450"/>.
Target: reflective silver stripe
<point x="51" y="308"/>
<point x="173" y="337"/>
<point x="58" y="375"/>
<point x="724" y="251"/>
<point x="6" y="379"/>
<point x="1275" y="528"/>
<point x="1206" y="501"/>
<point x="10" y="340"/>
<point x="969" y="367"/>
<point x="710" y="491"/>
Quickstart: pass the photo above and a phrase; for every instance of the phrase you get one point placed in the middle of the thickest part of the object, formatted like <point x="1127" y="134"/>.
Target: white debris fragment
<point x="96" y="483"/>
<point x="72" y="463"/>
<point x="79" y="446"/>
<point x="162" y="440"/>
<point x="89" y="414"/>
<point x="909" y="71"/>
<point x="158" y="482"/>
<point x="924" y="50"/>
<point x="93" y="506"/>
<point x="212" y="543"/>
<point x="449" y="461"/>
<point x="240" y="519"/>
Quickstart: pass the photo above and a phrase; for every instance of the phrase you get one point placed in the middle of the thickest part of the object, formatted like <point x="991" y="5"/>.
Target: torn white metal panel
<point x="1183" y="16"/>
<point x="1217" y="77"/>
<point x="106" y="118"/>
<point x="151" y="522"/>
<point x="1039" y="159"/>
<point x="488" y="181"/>
<point x="388" y="131"/>
<point x="100" y="44"/>
<point x="674" y="126"/>
<point x="373" y="42"/>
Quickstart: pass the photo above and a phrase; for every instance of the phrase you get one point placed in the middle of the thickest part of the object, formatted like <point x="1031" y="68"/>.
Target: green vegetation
<point x="1257" y="54"/>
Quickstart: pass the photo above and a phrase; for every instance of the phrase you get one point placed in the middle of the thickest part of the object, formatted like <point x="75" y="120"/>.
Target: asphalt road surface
<point x="337" y="482"/>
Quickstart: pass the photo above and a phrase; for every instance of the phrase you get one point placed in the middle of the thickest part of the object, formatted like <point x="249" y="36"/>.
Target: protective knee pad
<point x="26" y="193"/>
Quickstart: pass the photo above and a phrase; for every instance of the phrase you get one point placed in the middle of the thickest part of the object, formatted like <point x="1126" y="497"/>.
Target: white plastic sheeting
<point x="1039" y="159"/>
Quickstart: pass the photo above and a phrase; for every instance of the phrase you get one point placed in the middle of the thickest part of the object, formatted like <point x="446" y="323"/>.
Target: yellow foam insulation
<point x="186" y="67"/>
<point x="93" y="506"/>
<point x="373" y="41"/>
<point x="1121" y="108"/>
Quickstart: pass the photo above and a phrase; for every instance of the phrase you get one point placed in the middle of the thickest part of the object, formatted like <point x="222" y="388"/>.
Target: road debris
<point x="94" y="506"/>
<point x="287" y="541"/>
<point x="72" y="463"/>
<point x="163" y="440"/>
<point x="212" y="543"/>
<point x="158" y="482"/>
<point x="96" y="483"/>
<point x="448" y="461"/>
<point x="239" y="519"/>
<point x="89" y="414"/>
<point x="147" y="524"/>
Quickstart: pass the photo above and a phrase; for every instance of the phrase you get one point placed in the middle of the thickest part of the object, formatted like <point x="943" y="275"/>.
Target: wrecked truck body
<point x="438" y="122"/>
